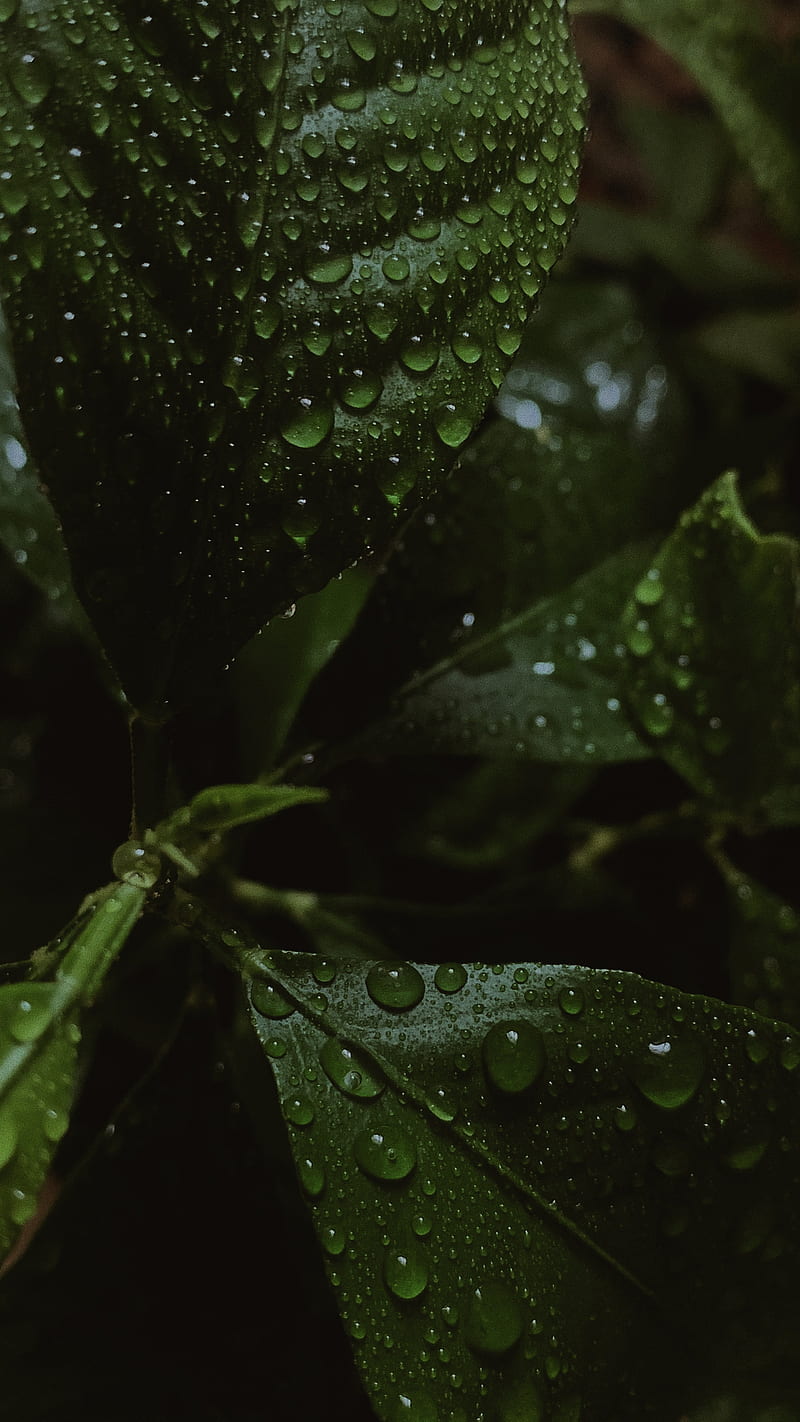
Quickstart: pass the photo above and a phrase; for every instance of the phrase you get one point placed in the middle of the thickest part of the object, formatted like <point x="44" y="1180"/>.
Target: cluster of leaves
<point x="493" y="835"/>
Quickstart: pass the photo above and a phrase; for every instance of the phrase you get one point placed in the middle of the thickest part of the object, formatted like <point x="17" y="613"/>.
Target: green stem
<point x="149" y="770"/>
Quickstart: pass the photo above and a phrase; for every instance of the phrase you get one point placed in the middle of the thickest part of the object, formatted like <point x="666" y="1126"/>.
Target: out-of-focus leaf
<point x="39" y="1034"/>
<point x="714" y="652"/>
<point x="535" y="1186"/>
<point x="765" y="947"/>
<point x="750" y="80"/>
<point x="28" y="525"/>
<point x="761" y="343"/>
<point x="592" y="450"/>
<point x="265" y="268"/>
<point x="684" y="156"/>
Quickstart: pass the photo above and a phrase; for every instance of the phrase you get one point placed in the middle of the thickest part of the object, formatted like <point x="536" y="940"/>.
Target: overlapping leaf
<point x="39" y="1033"/>
<point x="538" y="1189"/>
<point x="492" y="629"/>
<point x="264" y="268"/>
<point x="714" y="643"/>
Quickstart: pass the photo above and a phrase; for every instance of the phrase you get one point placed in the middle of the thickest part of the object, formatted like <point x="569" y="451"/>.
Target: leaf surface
<point x="714" y="652"/>
<point x="264" y="269"/>
<point x="514" y="1171"/>
<point x="39" y="1033"/>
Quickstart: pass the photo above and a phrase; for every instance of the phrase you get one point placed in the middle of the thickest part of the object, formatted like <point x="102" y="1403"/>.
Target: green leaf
<point x="28" y="525"/>
<point x="265" y="268"/>
<point x="713" y="669"/>
<point x="535" y="1186"/>
<point x="764" y="948"/>
<point x="592" y="451"/>
<point x="39" y="1033"/>
<point x="750" y="80"/>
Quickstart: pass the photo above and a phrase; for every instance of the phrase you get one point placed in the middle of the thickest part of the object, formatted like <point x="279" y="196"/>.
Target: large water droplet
<point x="405" y="1270"/>
<point x="385" y="1153"/>
<point x="269" y="1001"/>
<point x="137" y="864"/>
<point x="452" y="423"/>
<point x="395" y="985"/>
<point x="669" y="1071"/>
<point x="346" y="1070"/>
<point x="514" y="1055"/>
<point x="312" y="1176"/>
<point x="310" y="423"/>
<point x="493" y="1320"/>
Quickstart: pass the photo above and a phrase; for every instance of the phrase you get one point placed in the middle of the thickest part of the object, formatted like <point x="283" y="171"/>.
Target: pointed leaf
<point x="713" y="669"/>
<point x="535" y="1185"/>
<point x="39" y="1033"/>
<point x="245" y="251"/>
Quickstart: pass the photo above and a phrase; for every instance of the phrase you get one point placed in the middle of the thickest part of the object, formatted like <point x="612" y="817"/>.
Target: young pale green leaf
<point x="713" y="671"/>
<point x="222" y="807"/>
<point x="39" y="1033"/>
<point x="591" y="452"/>
<point x="750" y="80"/>
<point x="534" y="1186"/>
<point x="264" y="269"/>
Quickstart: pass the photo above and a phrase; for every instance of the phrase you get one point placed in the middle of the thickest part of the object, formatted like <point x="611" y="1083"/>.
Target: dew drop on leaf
<point x="394" y="985"/>
<point x="405" y="1270"/>
<point x="571" y="1001"/>
<point x="312" y="1177"/>
<point x="298" y="1110"/>
<point x="493" y="1320"/>
<point x="514" y="1055"/>
<point x="668" y="1072"/>
<point x="346" y="1071"/>
<point x="415" y="1406"/>
<point x="386" y="1153"/>
<point x="450" y="977"/>
<point x="270" y="1001"/>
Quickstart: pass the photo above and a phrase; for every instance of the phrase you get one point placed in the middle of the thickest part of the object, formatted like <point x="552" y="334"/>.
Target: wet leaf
<point x="714" y="654"/>
<point x="510" y="567"/>
<point x="750" y="80"/>
<point x="540" y="1191"/>
<point x="39" y="1033"/>
<point x="264" y="270"/>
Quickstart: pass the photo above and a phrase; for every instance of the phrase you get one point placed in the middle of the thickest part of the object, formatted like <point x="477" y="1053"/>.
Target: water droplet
<point x="415" y="1406"/>
<point x="333" y="1240"/>
<point x="328" y="267"/>
<point x="312" y="1177"/>
<point x="452" y="423"/>
<point x="405" y="1270"/>
<point x="346" y="1070"/>
<point x="450" y="977"/>
<point x="650" y="589"/>
<point x="514" y="1055"/>
<point x="395" y="267"/>
<point x="54" y="1124"/>
<point x="639" y="640"/>
<point x="310" y="424"/>
<point x="298" y="1110"/>
<point x="32" y="1014"/>
<point x="269" y="1001"/>
<point x="32" y="77"/>
<point x="571" y="1001"/>
<point x="493" y="1320"/>
<point x="395" y="985"/>
<point x="386" y="1153"/>
<point x="466" y="347"/>
<point x="137" y="864"/>
<point x="657" y="715"/>
<point x="669" y="1071"/>
<point x="324" y="970"/>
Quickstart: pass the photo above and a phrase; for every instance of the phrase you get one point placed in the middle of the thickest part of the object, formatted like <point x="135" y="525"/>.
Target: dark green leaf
<point x="750" y="80"/>
<point x="765" y="947"/>
<point x="265" y="268"/>
<point x="591" y="452"/>
<point x="714" y="655"/>
<point x="534" y="1186"/>
<point x="39" y="1033"/>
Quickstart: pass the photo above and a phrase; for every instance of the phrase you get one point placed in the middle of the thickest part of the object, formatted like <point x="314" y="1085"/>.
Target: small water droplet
<point x="571" y="1001"/>
<point x="669" y="1071"/>
<point x="312" y="1177"/>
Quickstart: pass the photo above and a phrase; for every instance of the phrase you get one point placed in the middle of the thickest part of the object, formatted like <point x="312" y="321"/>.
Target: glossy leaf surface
<point x="514" y="1171"/>
<point x="39" y="1033"/>
<point x="714" y="651"/>
<point x="264" y="269"/>
<point x="484" y="633"/>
